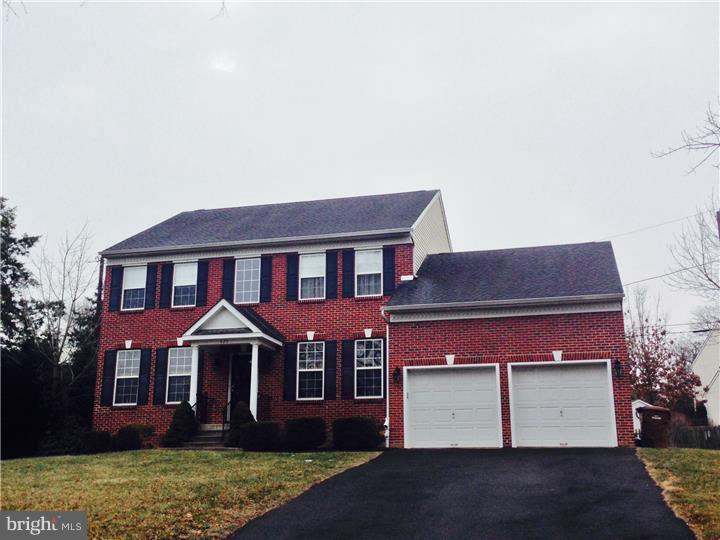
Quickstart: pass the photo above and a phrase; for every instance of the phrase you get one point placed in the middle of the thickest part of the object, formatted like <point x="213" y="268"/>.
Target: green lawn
<point x="690" y="479"/>
<point x="167" y="493"/>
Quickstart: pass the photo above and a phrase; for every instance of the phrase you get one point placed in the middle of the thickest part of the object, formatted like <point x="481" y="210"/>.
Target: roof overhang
<point x="265" y="242"/>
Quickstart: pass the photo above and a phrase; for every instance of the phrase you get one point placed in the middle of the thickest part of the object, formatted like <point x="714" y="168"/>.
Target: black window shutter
<point x="161" y="360"/>
<point x="202" y="284"/>
<point x="144" y="382"/>
<point x="290" y="371"/>
<point x="293" y="263"/>
<point x="228" y="279"/>
<point x="330" y="369"/>
<point x="150" y="284"/>
<point x="108" y="384"/>
<point x="331" y="276"/>
<point x="201" y="363"/>
<point x="265" y="278"/>
<point x="116" y="277"/>
<point x="348" y="369"/>
<point x="388" y="269"/>
<point x="166" y="277"/>
<point x="348" y="273"/>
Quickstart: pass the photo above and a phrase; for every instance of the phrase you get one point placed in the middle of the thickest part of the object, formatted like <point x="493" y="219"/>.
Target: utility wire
<point x="652" y="226"/>
<point x="669" y="273"/>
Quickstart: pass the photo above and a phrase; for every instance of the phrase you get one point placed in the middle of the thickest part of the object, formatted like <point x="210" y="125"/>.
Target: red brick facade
<point x="343" y="318"/>
<point x="581" y="336"/>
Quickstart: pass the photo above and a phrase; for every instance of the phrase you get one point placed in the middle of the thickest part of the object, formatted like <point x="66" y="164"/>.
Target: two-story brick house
<point x="353" y="306"/>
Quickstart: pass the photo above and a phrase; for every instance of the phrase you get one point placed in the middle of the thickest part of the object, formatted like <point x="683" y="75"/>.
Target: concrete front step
<point x="211" y="427"/>
<point x="211" y="448"/>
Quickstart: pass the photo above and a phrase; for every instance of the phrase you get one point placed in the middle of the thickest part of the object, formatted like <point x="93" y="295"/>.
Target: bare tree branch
<point x="705" y="140"/>
<point x="222" y="12"/>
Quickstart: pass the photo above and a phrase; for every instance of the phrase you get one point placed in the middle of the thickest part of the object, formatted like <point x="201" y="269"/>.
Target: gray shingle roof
<point x="513" y="274"/>
<point x="251" y="224"/>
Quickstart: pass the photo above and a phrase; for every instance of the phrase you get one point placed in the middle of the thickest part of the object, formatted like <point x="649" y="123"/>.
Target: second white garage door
<point x="568" y="404"/>
<point x="453" y="407"/>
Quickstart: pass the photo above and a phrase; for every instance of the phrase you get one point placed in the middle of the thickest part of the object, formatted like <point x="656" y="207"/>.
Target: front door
<point x="239" y="379"/>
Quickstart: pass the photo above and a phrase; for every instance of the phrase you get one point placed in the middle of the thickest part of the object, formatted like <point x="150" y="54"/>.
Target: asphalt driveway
<point x="494" y="494"/>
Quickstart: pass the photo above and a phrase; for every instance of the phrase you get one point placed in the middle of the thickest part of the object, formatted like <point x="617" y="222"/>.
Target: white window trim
<point x="167" y="377"/>
<point x="324" y="276"/>
<point x="235" y="301"/>
<point x="172" y="293"/>
<point x="368" y="274"/>
<point x="381" y="368"/>
<point x="122" y="294"/>
<point x="115" y="380"/>
<point x="297" y="373"/>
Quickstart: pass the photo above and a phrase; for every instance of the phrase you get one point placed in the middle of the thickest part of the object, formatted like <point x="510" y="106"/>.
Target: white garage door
<point x="453" y="407"/>
<point x="562" y="405"/>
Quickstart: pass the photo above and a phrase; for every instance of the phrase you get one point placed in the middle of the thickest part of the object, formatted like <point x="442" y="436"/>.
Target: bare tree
<point x="64" y="281"/>
<point x="705" y="140"/>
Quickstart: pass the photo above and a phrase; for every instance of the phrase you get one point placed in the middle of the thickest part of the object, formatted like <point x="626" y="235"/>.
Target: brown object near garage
<point x="655" y="426"/>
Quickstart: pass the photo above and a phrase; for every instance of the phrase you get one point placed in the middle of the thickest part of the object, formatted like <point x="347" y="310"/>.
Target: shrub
<point x="63" y="436"/>
<point x="305" y="433"/>
<point x="96" y="442"/>
<point x="259" y="436"/>
<point x="356" y="433"/>
<point x="146" y="430"/>
<point x="128" y="438"/>
<point x="241" y="415"/>
<point x="183" y="427"/>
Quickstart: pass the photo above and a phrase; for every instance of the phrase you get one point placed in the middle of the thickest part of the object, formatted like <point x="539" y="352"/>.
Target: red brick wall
<point x="584" y="336"/>
<point x="344" y="318"/>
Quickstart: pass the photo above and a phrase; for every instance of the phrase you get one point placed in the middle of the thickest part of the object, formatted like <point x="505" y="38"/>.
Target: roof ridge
<point x="521" y="248"/>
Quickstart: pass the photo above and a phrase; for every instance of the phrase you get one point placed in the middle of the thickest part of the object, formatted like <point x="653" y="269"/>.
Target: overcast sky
<point x="537" y="122"/>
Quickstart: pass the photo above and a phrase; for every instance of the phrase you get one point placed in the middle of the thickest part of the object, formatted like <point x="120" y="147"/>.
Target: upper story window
<point x="368" y="272"/>
<point x="312" y="277"/>
<point x="133" y="293"/>
<point x="311" y="370"/>
<point x="247" y="281"/>
<point x="127" y="377"/>
<point x="369" y="368"/>
<point x="184" y="284"/>
<point x="179" y="371"/>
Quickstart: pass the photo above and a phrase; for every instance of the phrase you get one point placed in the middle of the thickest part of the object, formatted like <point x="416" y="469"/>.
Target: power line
<point x="669" y="273"/>
<point x="652" y="226"/>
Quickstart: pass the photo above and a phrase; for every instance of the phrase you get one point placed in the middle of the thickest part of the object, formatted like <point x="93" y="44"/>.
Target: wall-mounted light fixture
<point x="618" y="369"/>
<point x="397" y="375"/>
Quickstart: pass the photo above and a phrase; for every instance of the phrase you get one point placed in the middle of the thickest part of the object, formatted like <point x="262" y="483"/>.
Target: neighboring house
<point x="356" y="306"/>
<point x="636" y="404"/>
<point x="706" y="365"/>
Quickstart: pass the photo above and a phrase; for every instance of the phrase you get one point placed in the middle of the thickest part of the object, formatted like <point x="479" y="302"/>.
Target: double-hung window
<point x="247" y="281"/>
<point x="368" y="272"/>
<point x="312" y="276"/>
<point x="179" y="371"/>
<point x="127" y="377"/>
<point x="133" y="294"/>
<point x="369" y="368"/>
<point x="184" y="284"/>
<point x="311" y="370"/>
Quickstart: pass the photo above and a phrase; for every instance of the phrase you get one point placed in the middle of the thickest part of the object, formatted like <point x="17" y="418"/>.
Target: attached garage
<point x="566" y="404"/>
<point x="453" y="407"/>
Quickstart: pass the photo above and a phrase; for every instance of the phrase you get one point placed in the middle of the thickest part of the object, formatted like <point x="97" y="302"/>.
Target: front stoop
<point x="209" y="437"/>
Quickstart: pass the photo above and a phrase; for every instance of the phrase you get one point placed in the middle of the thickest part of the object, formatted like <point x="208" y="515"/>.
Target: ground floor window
<point x="178" y="374"/>
<point x="311" y="370"/>
<point x="127" y="377"/>
<point x="369" y="368"/>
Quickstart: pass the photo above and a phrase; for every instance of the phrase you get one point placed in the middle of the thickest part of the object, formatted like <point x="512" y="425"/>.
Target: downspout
<point x="387" y="378"/>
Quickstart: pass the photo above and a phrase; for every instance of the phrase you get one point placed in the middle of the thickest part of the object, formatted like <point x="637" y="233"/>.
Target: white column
<point x="254" y="380"/>
<point x="194" y="374"/>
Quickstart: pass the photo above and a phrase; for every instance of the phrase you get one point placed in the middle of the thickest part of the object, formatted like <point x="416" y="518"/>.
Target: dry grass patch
<point x="690" y="479"/>
<point x="167" y="493"/>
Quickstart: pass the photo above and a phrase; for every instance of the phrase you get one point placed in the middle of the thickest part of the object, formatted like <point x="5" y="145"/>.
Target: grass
<point x="690" y="479"/>
<point x="167" y="493"/>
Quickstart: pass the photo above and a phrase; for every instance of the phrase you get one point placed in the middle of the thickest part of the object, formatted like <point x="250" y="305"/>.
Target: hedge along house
<point x="328" y="308"/>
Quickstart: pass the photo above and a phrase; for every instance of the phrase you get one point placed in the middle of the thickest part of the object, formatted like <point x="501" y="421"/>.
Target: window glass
<point x="179" y="374"/>
<point x="369" y="368"/>
<point x="368" y="272"/>
<point x="311" y="363"/>
<point x="127" y="377"/>
<point x="312" y="276"/>
<point x="247" y="281"/>
<point x="133" y="296"/>
<point x="184" y="284"/>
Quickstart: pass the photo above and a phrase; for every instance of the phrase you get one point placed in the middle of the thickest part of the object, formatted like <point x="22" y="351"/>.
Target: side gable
<point x="430" y="233"/>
